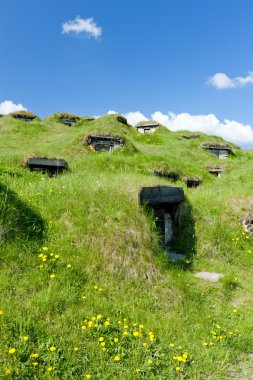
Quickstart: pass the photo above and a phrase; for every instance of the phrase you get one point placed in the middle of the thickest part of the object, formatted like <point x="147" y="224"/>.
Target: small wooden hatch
<point x="50" y="166"/>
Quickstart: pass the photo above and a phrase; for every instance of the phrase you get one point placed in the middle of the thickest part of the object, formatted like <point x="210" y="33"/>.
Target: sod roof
<point x="23" y="115"/>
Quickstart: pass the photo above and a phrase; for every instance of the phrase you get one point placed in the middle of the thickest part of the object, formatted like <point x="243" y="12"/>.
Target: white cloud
<point x="8" y="106"/>
<point x="111" y="112"/>
<point x="80" y="25"/>
<point x="221" y="81"/>
<point x="230" y="130"/>
<point x="134" y="117"/>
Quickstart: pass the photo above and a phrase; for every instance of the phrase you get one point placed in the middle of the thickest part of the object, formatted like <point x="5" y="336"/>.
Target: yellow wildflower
<point x="116" y="340"/>
<point x="150" y="362"/>
<point x="125" y="333"/>
<point x="99" y="316"/>
<point x="102" y="344"/>
<point x="52" y="276"/>
<point x="50" y="369"/>
<point x="172" y="345"/>
<point x="52" y="348"/>
<point x="45" y="248"/>
<point x="178" y="368"/>
<point x="35" y="356"/>
<point x="69" y="266"/>
<point x="76" y="348"/>
<point x="83" y="327"/>
<point x="88" y="376"/>
<point x="107" y="323"/>
<point x="101" y="339"/>
<point x="117" y="358"/>
<point x="35" y="364"/>
<point x="25" y="338"/>
<point x="12" y="351"/>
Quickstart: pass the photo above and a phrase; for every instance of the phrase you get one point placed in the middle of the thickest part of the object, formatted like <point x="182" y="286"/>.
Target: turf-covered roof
<point x="23" y="115"/>
<point x="216" y="145"/>
<point x="147" y="123"/>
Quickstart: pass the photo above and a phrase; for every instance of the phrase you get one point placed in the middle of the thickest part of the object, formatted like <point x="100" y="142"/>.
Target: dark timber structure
<point x="165" y="201"/>
<point x="104" y="142"/>
<point x="192" y="183"/>
<point x="45" y="165"/>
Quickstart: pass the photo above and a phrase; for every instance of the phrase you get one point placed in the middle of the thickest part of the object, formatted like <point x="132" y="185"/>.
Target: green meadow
<point x="86" y="290"/>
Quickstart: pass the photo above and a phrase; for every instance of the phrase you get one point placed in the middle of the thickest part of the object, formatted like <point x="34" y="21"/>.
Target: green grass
<point x="104" y="252"/>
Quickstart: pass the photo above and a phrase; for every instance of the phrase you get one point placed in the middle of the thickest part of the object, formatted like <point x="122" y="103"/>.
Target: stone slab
<point x="209" y="276"/>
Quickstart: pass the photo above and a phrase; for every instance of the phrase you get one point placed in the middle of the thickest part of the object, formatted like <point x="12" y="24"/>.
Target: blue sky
<point x="151" y="56"/>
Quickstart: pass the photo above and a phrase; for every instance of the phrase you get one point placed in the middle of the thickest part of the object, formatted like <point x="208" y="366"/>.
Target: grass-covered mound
<point x="87" y="291"/>
<point x="23" y="115"/>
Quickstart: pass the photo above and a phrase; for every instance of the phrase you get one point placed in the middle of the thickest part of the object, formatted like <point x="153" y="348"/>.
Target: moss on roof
<point x="23" y="114"/>
<point x="147" y="122"/>
<point x="66" y="115"/>
<point x="216" y="145"/>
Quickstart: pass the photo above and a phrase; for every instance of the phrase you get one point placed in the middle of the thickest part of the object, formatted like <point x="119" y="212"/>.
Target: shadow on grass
<point x="17" y="219"/>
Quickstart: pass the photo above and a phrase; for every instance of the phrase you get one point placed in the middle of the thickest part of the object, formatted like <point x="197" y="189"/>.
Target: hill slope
<point x="86" y="289"/>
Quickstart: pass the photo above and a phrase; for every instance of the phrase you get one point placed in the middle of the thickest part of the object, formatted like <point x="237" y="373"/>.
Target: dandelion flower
<point x="52" y="348"/>
<point x="8" y="371"/>
<point x="115" y="340"/>
<point x="95" y="287"/>
<point x="141" y="326"/>
<point x="107" y="323"/>
<point x="25" y="338"/>
<point x="103" y="349"/>
<point x="12" y="351"/>
<point x="52" y="276"/>
<point x="69" y="266"/>
<point x="35" y="364"/>
<point x="125" y="333"/>
<point x="172" y="345"/>
<point x="150" y="362"/>
<point x="50" y="369"/>
<point x="45" y="248"/>
<point x="101" y="339"/>
<point x="1" y="312"/>
<point x="178" y="368"/>
<point x="117" y="358"/>
<point x="99" y="316"/>
<point x="87" y="376"/>
<point x="83" y="327"/>
<point x="102" y="344"/>
<point x="76" y="348"/>
<point x="137" y="370"/>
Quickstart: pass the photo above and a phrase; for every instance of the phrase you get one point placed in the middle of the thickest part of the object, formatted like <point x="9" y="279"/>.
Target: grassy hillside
<point x="86" y="290"/>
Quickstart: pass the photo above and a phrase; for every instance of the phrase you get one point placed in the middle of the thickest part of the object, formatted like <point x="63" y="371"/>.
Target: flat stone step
<point x="175" y="257"/>
<point x="209" y="276"/>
